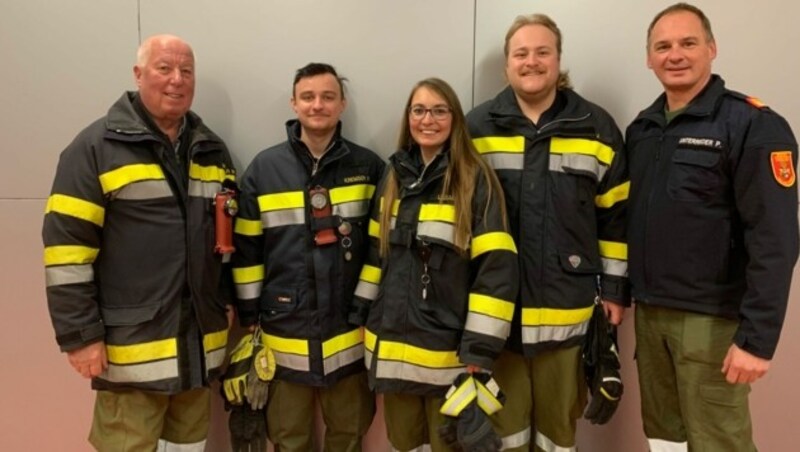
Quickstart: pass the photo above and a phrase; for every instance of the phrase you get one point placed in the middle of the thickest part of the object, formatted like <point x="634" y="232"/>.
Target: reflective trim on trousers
<point x="518" y="439"/>
<point x="137" y="373"/>
<point x="416" y="449"/>
<point x="538" y="334"/>
<point x="166" y="446"/>
<point x="549" y="446"/>
<point x="399" y="370"/>
<point x="660" y="445"/>
<point x="69" y="274"/>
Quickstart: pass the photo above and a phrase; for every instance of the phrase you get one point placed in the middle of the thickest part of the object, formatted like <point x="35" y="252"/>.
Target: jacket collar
<point x="505" y="112"/>
<point x="703" y="104"/>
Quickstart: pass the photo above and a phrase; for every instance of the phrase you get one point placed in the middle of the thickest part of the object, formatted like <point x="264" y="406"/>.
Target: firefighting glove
<point x="248" y="429"/>
<point x="601" y="368"/>
<point x="258" y="377"/>
<point x="467" y="426"/>
<point x="234" y="381"/>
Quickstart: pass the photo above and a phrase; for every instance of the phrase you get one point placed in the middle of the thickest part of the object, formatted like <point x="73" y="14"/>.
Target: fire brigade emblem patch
<point x="782" y="167"/>
<point x="574" y="260"/>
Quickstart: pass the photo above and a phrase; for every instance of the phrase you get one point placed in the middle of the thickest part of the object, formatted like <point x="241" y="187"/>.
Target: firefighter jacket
<point x="566" y="188"/>
<point x="301" y="290"/>
<point x="129" y="250"/>
<point x="713" y="212"/>
<point x="434" y="308"/>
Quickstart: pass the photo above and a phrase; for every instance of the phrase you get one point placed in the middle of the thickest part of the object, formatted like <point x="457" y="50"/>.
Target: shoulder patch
<point x="782" y="167"/>
<point x="756" y="102"/>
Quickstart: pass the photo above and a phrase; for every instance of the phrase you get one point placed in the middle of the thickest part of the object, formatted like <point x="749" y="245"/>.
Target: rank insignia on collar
<point x="782" y="167"/>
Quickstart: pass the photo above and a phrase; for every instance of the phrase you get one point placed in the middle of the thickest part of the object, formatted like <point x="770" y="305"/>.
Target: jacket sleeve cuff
<point x="247" y="312"/>
<point x="359" y="310"/>
<point x="753" y="347"/>
<point x="82" y="337"/>
<point x="617" y="290"/>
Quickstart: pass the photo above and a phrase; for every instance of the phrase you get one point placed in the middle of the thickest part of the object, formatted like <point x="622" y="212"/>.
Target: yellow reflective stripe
<point x="75" y="207"/>
<point x="458" y="398"/>
<point x="249" y="228"/>
<point x="600" y="151"/>
<point x="124" y="175"/>
<point x="487" y="145"/>
<point x="369" y="339"/>
<point x="280" y="201"/>
<point x="438" y="212"/>
<point x="69" y="254"/>
<point x="492" y="241"/>
<point x="613" y="196"/>
<point x="208" y="173"/>
<point x="351" y="193"/>
<point x="551" y="316"/>
<point x="397" y="351"/>
<point x="491" y="306"/>
<point x="140" y="353"/>
<point x="613" y="250"/>
<point x="395" y="207"/>
<point x="341" y="342"/>
<point x="370" y="274"/>
<point x="286" y="345"/>
<point x="374" y="229"/>
<point x="246" y="275"/>
<point x="216" y="340"/>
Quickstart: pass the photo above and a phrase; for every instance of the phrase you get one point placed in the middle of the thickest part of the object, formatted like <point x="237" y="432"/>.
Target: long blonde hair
<point x="459" y="177"/>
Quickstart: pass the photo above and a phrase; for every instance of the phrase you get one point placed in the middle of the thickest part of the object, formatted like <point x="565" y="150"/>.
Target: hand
<point x="614" y="312"/>
<point x="472" y="368"/>
<point x="90" y="360"/>
<point x="230" y="313"/>
<point x="740" y="366"/>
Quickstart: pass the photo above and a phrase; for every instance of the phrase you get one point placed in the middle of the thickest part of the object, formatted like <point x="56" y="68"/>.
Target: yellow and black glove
<point x="601" y="368"/>
<point x="468" y="404"/>
<point x="234" y="381"/>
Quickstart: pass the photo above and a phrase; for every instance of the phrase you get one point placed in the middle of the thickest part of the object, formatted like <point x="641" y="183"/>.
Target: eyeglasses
<point x="418" y="112"/>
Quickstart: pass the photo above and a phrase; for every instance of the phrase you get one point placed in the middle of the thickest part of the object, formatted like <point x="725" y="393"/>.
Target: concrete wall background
<point x="64" y="63"/>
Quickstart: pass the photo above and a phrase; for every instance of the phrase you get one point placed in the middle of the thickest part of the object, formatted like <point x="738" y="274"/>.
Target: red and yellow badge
<point x="782" y="167"/>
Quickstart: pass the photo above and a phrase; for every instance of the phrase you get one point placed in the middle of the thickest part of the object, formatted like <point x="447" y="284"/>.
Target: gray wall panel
<point x="64" y="63"/>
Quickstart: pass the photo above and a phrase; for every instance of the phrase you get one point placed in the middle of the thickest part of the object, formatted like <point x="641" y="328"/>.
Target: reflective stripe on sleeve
<point x="75" y="207"/>
<point x="68" y="274"/>
<point x="249" y="228"/>
<point x="613" y="250"/>
<point x="613" y="196"/>
<point x="492" y="241"/>
<point x="69" y="254"/>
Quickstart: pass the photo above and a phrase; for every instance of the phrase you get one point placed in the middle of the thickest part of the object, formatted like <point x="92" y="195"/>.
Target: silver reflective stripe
<point x="422" y="448"/>
<point x="226" y="258"/>
<point x="68" y="274"/>
<point x="410" y="372"/>
<point x="249" y="291"/>
<point x="615" y="267"/>
<point x="660" y="445"/>
<point x="436" y="230"/>
<point x="505" y="161"/>
<point x="367" y="290"/>
<point x="290" y="361"/>
<point x="215" y="358"/>
<point x="343" y="358"/>
<point x="518" y="439"/>
<point x="134" y="373"/>
<point x="277" y="218"/>
<point x="351" y="209"/>
<point x="548" y="445"/>
<point x="147" y="189"/>
<point x="367" y="358"/>
<point x="585" y="164"/>
<point x="202" y="189"/>
<point x="537" y="334"/>
<point x="166" y="446"/>
<point x="488" y="325"/>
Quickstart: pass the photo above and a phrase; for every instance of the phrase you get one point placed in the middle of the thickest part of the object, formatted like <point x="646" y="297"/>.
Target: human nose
<point x="176" y="76"/>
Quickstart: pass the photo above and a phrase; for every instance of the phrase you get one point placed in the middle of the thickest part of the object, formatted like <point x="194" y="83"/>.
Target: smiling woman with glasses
<point x="437" y="292"/>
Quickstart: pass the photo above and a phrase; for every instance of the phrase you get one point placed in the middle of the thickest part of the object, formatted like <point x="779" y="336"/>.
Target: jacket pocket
<point x="130" y="315"/>
<point x="693" y="175"/>
<point x="278" y="302"/>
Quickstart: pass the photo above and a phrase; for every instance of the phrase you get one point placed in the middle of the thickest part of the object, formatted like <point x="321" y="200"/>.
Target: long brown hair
<point x="459" y="177"/>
